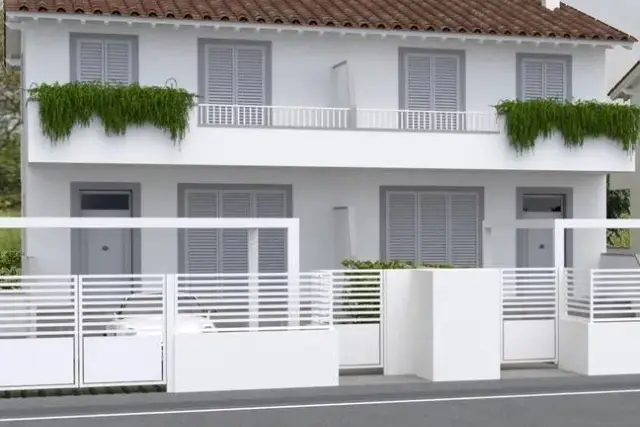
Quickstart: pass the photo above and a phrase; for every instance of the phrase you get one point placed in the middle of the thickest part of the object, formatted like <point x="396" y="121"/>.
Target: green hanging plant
<point x="525" y="121"/>
<point x="63" y="106"/>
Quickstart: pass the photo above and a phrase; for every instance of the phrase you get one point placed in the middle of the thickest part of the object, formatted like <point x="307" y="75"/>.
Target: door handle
<point x="541" y="246"/>
<point x="105" y="247"/>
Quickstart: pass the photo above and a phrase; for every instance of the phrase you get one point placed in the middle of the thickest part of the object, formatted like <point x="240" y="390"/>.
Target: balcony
<point x="227" y="135"/>
<point x="274" y="117"/>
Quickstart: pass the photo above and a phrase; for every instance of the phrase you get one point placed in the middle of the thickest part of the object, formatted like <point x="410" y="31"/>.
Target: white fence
<point x="603" y="295"/>
<point x="82" y="331"/>
<point x="346" y="118"/>
<point x="357" y="314"/>
<point x="529" y="315"/>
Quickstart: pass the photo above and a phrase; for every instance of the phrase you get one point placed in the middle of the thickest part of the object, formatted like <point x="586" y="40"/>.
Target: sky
<point x="624" y="15"/>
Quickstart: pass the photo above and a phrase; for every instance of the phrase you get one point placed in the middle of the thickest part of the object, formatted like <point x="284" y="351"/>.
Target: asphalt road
<point x="562" y="403"/>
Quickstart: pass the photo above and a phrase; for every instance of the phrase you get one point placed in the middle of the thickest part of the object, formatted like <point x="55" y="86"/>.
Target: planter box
<point x="255" y="360"/>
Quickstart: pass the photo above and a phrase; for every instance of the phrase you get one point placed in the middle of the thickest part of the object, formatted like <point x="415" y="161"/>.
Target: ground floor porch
<point x="425" y="216"/>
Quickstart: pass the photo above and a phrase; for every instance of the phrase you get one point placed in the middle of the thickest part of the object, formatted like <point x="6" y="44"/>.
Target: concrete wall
<point x="316" y="192"/>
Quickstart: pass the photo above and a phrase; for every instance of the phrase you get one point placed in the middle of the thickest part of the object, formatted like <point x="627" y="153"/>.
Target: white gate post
<point x="169" y="338"/>
<point x="254" y="290"/>
<point x="293" y="273"/>
<point x="77" y="326"/>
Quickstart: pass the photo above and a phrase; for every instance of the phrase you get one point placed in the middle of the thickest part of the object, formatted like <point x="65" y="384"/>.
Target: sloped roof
<point x="525" y="18"/>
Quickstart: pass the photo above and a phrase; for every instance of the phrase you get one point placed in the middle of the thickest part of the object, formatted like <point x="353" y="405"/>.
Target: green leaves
<point x="63" y="106"/>
<point x="390" y="265"/>
<point x="525" y="121"/>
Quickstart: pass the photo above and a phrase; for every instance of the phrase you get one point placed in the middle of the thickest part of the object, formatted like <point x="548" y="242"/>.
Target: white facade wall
<point x="316" y="192"/>
<point x="301" y="76"/>
<point x="301" y="64"/>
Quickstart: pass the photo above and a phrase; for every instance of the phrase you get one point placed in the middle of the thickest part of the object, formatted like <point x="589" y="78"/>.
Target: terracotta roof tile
<point x="491" y="17"/>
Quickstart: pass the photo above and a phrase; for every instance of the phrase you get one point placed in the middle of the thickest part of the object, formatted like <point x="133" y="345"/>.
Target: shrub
<point x="10" y="265"/>
<point x="390" y="265"/>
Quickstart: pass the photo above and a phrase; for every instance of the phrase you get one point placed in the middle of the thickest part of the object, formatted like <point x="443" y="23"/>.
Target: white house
<point x="375" y="127"/>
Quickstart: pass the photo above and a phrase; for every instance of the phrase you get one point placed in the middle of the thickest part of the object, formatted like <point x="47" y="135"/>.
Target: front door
<point x="537" y="244"/>
<point x="106" y="251"/>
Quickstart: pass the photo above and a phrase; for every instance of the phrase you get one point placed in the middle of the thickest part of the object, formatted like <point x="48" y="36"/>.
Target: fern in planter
<point x="525" y="121"/>
<point x="63" y="106"/>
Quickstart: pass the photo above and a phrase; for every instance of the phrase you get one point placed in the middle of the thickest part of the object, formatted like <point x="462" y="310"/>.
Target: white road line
<point x="314" y="405"/>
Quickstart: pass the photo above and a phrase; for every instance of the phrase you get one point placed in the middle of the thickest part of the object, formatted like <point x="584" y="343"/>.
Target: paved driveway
<point x="572" y="402"/>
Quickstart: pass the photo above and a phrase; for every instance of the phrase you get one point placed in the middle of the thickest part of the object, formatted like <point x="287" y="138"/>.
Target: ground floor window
<point x="433" y="226"/>
<point x="226" y="251"/>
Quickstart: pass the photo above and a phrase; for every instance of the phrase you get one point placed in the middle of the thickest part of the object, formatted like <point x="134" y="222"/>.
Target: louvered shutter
<point x="433" y="227"/>
<point x="250" y="85"/>
<point x="90" y="60"/>
<point x="202" y="244"/>
<point x="446" y="93"/>
<point x="219" y="86"/>
<point x="464" y="229"/>
<point x="235" y="248"/>
<point x="272" y="242"/>
<point x="555" y="80"/>
<point x="402" y="231"/>
<point x="418" y="91"/>
<point x="118" y="68"/>
<point x="532" y="79"/>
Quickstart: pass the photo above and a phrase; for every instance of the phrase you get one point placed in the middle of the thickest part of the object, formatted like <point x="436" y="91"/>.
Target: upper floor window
<point x="104" y="58"/>
<point x="544" y="76"/>
<point x="432" y="88"/>
<point x="234" y="81"/>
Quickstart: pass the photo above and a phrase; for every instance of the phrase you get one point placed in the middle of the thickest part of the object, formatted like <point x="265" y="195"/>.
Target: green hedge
<point x="390" y="265"/>
<point x="354" y="300"/>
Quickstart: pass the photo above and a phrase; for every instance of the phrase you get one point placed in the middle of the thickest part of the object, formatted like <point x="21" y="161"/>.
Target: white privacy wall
<point x="315" y="193"/>
<point x="301" y="65"/>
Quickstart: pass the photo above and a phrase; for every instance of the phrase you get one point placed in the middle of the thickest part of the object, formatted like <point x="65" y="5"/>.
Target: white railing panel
<point x="122" y="324"/>
<point x="246" y="302"/>
<point x="38" y="324"/>
<point x="576" y="298"/>
<point x="428" y="121"/>
<point x="273" y="116"/>
<point x="615" y="295"/>
<point x="267" y="116"/>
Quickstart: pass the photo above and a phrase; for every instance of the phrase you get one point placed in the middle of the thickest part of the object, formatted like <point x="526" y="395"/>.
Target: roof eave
<point x="19" y="16"/>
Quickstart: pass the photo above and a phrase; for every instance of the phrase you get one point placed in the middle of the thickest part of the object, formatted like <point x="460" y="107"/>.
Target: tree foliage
<point x="10" y="125"/>
<point x="618" y="206"/>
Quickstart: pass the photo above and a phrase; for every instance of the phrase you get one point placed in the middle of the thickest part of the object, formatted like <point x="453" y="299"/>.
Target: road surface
<point x="568" y="402"/>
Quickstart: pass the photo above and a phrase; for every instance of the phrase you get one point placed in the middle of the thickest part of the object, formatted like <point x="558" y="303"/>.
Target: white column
<point x="171" y="310"/>
<point x="293" y="274"/>
<point x="254" y="284"/>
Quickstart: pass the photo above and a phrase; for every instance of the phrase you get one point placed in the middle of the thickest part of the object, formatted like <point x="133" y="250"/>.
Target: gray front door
<point x="105" y="251"/>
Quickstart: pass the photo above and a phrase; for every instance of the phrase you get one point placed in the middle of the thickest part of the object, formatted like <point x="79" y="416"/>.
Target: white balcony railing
<point x="271" y="116"/>
<point x="345" y="118"/>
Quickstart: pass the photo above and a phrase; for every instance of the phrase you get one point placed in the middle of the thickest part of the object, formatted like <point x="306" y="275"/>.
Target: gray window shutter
<point x="250" y="76"/>
<point x="433" y="227"/>
<point x="219" y="72"/>
<point x="402" y="215"/>
<point x="446" y="83"/>
<point x="544" y="79"/>
<point x="235" y="247"/>
<point x="555" y="80"/>
<point x="532" y="79"/>
<point x="418" y="86"/>
<point x="464" y="229"/>
<point x="272" y="243"/>
<point x="118" y="56"/>
<point x="201" y="244"/>
<point x="90" y="60"/>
